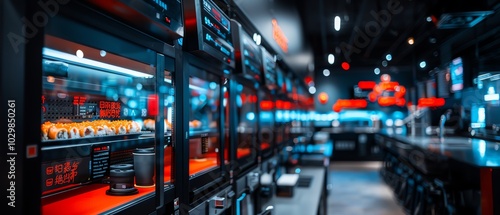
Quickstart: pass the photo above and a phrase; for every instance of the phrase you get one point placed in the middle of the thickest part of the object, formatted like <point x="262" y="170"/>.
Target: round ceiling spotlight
<point x="384" y="63"/>
<point x="257" y="38"/>
<point x="312" y="90"/>
<point x="423" y="64"/>
<point x="331" y="58"/>
<point x="388" y="57"/>
<point x="376" y="71"/>
<point x="336" y="23"/>
<point x="428" y="19"/>
<point x="326" y="72"/>
<point x="411" y="41"/>
<point x="79" y="53"/>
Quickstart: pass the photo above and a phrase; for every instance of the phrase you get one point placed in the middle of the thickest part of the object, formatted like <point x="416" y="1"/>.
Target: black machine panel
<point x="208" y="31"/>
<point x="161" y="18"/>
<point x="248" y="55"/>
<point x="269" y="68"/>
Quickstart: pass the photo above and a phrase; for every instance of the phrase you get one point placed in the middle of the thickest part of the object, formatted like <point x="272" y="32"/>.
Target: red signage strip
<point x="366" y="85"/>
<point x="349" y="103"/>
<point x="431" y="102"/>
<point x="279" y="36"/>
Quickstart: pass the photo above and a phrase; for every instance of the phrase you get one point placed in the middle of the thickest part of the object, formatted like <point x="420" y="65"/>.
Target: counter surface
<point x="472" y="151"/>
<point x="306" y="200"/>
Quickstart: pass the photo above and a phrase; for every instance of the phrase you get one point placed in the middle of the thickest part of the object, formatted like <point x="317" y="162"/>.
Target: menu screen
<point x="100" y="161"/>
<point x="457" y="74"/>
<point x="210" y="39"/>
<point x="269" y="69"/>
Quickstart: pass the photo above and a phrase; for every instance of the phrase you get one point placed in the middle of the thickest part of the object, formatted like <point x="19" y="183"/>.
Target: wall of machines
<point x="154" y="106"/>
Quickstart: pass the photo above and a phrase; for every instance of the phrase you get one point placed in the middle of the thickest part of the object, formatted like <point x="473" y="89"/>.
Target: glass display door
<point x="99" y="131"/>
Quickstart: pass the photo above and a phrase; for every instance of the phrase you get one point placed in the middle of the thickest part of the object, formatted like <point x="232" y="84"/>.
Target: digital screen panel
<point x="457" y="74"/>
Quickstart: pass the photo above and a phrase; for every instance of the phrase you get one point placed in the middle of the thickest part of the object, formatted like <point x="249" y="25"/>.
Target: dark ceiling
<point x="371" y="29"/>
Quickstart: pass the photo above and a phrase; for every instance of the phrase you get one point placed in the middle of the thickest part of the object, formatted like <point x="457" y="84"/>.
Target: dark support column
<point x="486" y="191"/>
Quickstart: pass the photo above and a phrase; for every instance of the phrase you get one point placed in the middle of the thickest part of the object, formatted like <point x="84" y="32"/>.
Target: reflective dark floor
<point x="357" y="188"/>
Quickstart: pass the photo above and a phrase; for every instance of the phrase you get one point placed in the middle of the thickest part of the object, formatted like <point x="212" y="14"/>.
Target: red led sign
<point x="153" y="104"/>
<point x="61" y="173"/>
<point x="431" y="102"/>
<point x="279" y="36"/>
<point x="109" y="109"/>
<point x="44" y="109"/>
<point x="79" y="100"/>
<point x="266" y="105"/>
<point x="366" y="85"/>
<point x="349" y="103"/>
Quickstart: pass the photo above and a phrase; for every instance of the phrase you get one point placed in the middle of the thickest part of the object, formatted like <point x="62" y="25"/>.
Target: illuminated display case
<point x="244" y="120"/>
<point x="204" y="115"/>
<point x="244" y="113"/>
<point x="106" y="118"/>
<point x="266" y="123"/>
<point x="269" y="68"/>
<point x="267" y="104"/>
<point x="208" y="59"/>
<point x="204" y="112"/>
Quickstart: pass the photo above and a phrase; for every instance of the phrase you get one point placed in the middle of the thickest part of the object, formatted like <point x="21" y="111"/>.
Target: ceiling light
<point x="257" y="38"/>
<point x="423" y="64"/>
<point x="428" y="19"/>
<point x="337" y="23"/>
<point x="312" y="90"/>
<point x="102" y="53"/>
<point x="388" y="57"/>
<point x="331" y="58"/>
<point x="58" y="55"/>
<point x="411" y="41"/>
<point x="376" y="71"/>
<point x="79" y="53"/>
<point x="384" y="63"/>
<point x="326" y="72"/>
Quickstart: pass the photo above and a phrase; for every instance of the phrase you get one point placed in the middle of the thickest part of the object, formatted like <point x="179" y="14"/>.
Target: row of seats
<point x="424" y="192"/>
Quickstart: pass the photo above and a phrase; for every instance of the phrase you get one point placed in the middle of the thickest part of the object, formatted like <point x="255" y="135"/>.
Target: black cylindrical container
<point x="144" y="160"/>
<point x="121" y="182"/>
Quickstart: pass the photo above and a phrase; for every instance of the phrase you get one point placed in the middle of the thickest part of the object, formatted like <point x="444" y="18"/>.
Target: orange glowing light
<point x="323" y="98"/>
<point x="389" y="86"/>
<point x="386" y="101"/>
<point x="279" y="36"/>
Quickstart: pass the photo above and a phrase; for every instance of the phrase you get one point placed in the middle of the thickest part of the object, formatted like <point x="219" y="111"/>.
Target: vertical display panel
<point x="269" y="68"/>
<point x="266" y="123"/>
<point x="204" y="117"/>
<point x="248" y="54"/>
<point x="208" y="31"/>
<point x="246" y="126"/>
